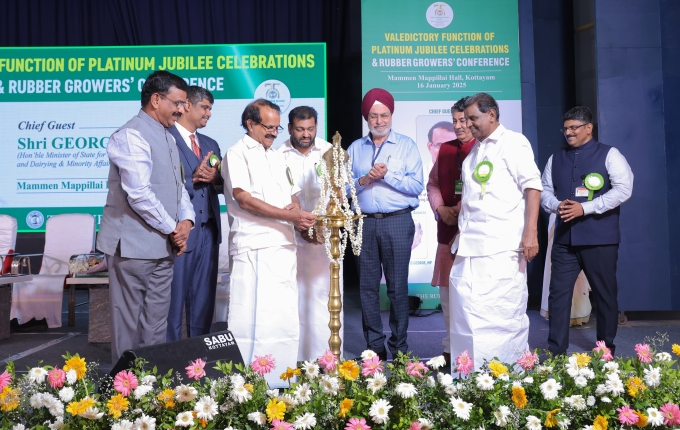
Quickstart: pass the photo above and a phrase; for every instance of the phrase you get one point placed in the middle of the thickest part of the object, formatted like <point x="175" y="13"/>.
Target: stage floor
<point x="425" y="334"/>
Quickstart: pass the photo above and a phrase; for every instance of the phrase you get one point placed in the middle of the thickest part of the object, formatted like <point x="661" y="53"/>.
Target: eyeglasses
<point x="178" y="104"/>
<point x="272" y="128"/>
<point x="383" y="116"/>
<point x="572" y="128"/>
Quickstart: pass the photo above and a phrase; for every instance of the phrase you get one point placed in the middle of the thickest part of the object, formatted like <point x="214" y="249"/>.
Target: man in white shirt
<point x="498" y="236"/>
<point x="263" y="210"/>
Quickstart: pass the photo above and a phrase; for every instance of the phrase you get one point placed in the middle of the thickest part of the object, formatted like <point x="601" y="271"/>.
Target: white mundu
<point x="313" y="275"/>
<point x="488" y="289"/>
<point x="263" y="305"/>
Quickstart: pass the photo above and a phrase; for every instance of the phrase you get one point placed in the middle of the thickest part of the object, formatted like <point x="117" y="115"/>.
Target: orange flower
<point x="167" y="398"/>
<point x="248" y="387"/>
<point x="289" y="374"/>
<point x="9" y="399"/>
<point x="550" y="420"/>
<point x="78" y="364"/>
<point x="117" y="404"/>
<point x="600" y="423"/>
<point x="345" y="406"/>
<point x="642" y="422"/>
<point x="519" y="397"/>
<point x="349" y="370"/>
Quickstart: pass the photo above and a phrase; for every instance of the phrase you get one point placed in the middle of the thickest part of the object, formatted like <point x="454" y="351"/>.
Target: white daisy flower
<point x="663" y="357"/>
<point x="123" y="425"/>
<point x="240" y="394"/>
<point x="611" y="366"/>
<point x="148" y="380"/>
<point x="550" y="389"/>
<point x="564" y="424"/>
<point x="501" y="416"/>
<point x="533" y="423"/>
<point x="572" y="367"/>
<point x="92" y="413"/>
<point x="580" y="381"/>
<point x="36" y="401"/>
<point x="185" y="419"/>
<point x="368" y="354"/>
<point x="543" y="370"/>
<point x="237" y="380"/>
<point x="288" y="400"/>
<point x="450" y="389"/>
<point x="58" y="424"/>
<point x="461" y="408"/>
<point x="653" y="376"/>
<point x="654" y="417"/>
<point x="485" y="381"/>
<point x="504" y="377"/>
<point x="272" y="394"/>
<point x="142" y="390"/>
<point x="425" y="424"/>
<point x="600" y="389"/>
<point x="258" y="418"/>
<point x="587" y="372"/>
<point x="206" y="408"/>
<point x="614" y="385"/>
<point x="330" y="385"/>
<point x="431" y="382"/>
<point x="437" y="362"/>
<point x="304" y="422"/>
<point x="406" y="390"/>
<point x="445" y="378"/>
<point x="66" y="394"/>
<point x="577" y="402"/>
<point x="185" y="393"/>
<point x="56" y="408"/>
<point x="71" y="377"/>
<point x="379" y="410"/>
<point x="590" y="401"/>
<point x="528" y="380"/>
<point x="376" y="382"/>
<point x="606" y="399"/>
<point x="145" y="422"/>
<point x="303" y="393"/>
<point x="311" y="369"/>
<point x="37" y="375"/>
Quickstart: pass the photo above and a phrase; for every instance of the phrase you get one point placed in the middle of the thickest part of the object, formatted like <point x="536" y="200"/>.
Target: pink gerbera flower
<point x="643" y="353"/>
<point x="527" y="360"/>
<point x="627" y="416"/>
<point x="464" y="363"/>
<point x="328" y="360"/>
<point x="196" y="369"/>
<point x="415" y="426"/>
<point x="671" y="414"/>
<point x="414" y="369"/>
<point x="281" y="425"/>
<point x="357" y="424"/>
<point x="606" y="352"/>
<point x="371" y="366"/>
<point x="5" y="379"/>
<point x="264" y="364"/>
<point x="56" y="378"/>
<point x="125" y="382"/>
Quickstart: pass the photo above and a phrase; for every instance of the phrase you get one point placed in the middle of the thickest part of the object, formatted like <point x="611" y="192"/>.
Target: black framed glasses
<point x="178" y="104"/>
<point x="572" y="128"/>
<point x="271" y="128"/>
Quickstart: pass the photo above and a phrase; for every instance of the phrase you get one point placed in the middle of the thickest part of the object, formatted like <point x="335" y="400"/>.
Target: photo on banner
<point x="429" y="55"/>
<point x="58" y="107"/>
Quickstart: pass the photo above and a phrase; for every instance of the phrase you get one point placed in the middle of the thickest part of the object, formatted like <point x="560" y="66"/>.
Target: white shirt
<point x="262" y="173"/>
<point x="620" y="176"/>
<point x="128" y="150"/>
<point x="494" y="223"/>
<point x="185" y="135"/>
<point x="304" y="170"/>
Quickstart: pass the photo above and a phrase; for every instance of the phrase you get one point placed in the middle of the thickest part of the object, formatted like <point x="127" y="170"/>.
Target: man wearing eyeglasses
<point x="264" y="210"/>
<point x="147" y="217"/>
<point x="389" y="179"/>
<point x="194" y="283"/>
<point x="585" y="184"/>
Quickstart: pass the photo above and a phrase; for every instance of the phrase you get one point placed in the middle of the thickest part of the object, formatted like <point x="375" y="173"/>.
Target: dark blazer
<point x="201" y="193"/>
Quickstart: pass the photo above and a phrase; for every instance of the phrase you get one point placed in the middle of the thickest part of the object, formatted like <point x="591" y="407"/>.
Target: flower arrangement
<point x="590" y="391"/>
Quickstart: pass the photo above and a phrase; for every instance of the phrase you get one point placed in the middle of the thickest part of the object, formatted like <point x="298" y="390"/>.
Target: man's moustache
<point x="270" y="136"/>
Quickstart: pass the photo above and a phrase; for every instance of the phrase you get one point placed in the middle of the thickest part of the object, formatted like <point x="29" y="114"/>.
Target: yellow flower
<point x="275" y="410"/>
<point x="519" y="397"/>
<point x="9" y="399"/>
<point x="248" y="387"/>
<point x="642" y="422"/>
<point x="167" y="398"/>
<point x="349" y="370"/>
<point x="345" y="406"/>
<point x="635" y="385"/>
<point x="600" y="423"/>
<point x="676" y="349"/>
<point x="497" y="368"/>
<point x="117" y="404"/>
<point x="77" y="408"/>
<point x="290" y="373"/>
<point x="550" y="420"/>
<point x="78" y="364"/>
<point x="582" y="360"/>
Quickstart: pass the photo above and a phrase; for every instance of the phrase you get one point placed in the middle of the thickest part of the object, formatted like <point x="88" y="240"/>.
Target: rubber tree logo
<point x="439" y="15"/>
<point x="439" y="10"/>
<point x="272" y="92"/>
<point x="276" y="92"/>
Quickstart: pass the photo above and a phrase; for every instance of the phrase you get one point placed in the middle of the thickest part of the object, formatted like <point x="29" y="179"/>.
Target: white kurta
<point x="263" y="306"/>
<point x="313" y="275"/>
<point x="488" y="290"/>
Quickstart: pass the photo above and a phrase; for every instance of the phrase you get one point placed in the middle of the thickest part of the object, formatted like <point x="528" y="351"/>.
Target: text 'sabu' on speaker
<point x="213" y="347"/>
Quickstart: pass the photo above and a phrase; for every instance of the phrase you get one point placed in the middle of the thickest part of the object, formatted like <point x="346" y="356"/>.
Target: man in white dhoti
<point x="498" y="235"/>
<point x="302" y="154"/>
<point x="263" y="209"/>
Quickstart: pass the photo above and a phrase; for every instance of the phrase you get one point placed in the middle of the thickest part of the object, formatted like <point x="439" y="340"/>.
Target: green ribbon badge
<point x="214" y="159"/>
<point x="290" y="176"/>
<point x="319" y="170"/>
<point x="483" y="172"/>
<point x="594" y="182"/>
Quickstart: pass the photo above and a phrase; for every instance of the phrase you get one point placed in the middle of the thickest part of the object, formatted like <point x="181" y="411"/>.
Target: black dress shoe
<point x="382" y="355"/>
<point x="447" y="358"/>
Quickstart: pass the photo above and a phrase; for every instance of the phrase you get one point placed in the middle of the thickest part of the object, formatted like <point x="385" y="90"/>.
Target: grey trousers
<point x="139" y="296"/>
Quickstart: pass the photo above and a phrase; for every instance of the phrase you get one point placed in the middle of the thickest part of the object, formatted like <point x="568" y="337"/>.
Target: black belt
<point x="388" y="214"/>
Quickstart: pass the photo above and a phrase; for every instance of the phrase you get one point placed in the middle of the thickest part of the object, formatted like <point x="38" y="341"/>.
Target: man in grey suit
<point x="147" y="217"/>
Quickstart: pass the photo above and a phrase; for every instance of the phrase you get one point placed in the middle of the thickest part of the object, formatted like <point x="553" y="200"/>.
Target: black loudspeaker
<point x="218" y="346"/>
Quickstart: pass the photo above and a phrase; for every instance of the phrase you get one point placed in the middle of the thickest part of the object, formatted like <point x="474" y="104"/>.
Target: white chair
<point x="222" y="295"/>
<point x="65" y="235"/>
<point x="8" y="241"/>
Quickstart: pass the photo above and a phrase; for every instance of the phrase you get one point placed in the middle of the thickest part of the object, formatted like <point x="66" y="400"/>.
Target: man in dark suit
<point x="195" y="274"/>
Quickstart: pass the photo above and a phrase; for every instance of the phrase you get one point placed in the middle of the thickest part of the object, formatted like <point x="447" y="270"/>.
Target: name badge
<point x="459" y="187"/>
<point x="581" y="192"/>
